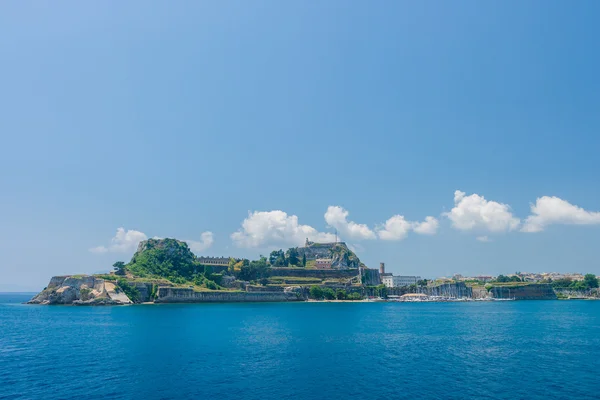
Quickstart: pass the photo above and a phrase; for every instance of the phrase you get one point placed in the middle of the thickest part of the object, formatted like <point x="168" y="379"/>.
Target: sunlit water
<point x="503" y="350"/>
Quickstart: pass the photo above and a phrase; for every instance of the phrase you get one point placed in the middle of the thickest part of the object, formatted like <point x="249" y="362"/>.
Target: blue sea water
<point x="502" y="350"/>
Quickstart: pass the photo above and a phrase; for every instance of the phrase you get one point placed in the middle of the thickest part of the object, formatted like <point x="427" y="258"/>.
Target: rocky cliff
<point x="341" y="255"/>
<point x="81" y="290"/>
<point x="524" y="292"/>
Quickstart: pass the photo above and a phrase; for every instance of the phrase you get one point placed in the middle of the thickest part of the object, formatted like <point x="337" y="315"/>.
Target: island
<point x="167" y="271"/>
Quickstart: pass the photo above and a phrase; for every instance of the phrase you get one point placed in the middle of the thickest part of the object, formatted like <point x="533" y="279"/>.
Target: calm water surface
<point x="503" y="350"/>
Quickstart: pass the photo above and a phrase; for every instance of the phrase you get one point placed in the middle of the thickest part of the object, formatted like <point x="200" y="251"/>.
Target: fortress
<point x="340" y="255"/>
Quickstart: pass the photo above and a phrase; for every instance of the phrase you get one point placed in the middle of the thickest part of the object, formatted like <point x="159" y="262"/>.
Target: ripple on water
<point x="531" y="350"/>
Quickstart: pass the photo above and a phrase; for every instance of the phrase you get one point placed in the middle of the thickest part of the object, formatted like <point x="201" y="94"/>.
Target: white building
<point x="390" y="280"/>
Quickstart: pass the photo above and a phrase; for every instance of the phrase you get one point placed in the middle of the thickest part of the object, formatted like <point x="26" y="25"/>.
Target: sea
<point x="268" y="351"/>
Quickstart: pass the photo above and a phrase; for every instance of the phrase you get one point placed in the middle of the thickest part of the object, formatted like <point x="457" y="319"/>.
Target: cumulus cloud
<point x="395" y="228"/>
<point x="274" y="228"/>
<point x="123" y="242"/>
<point x="484" y="239"/>
<point x="337" y="217"/>
<point x="206" y="241"/>
<point x="474" y="212"/>
<point x="553" y="210"/>
<point x="427" y="227"/>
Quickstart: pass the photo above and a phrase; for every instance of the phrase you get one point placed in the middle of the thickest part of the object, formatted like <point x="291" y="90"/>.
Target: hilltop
<point x="338" y="255"/>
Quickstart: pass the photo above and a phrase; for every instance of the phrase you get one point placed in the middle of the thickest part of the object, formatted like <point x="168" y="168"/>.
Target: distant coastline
<point x="166" y="271"/>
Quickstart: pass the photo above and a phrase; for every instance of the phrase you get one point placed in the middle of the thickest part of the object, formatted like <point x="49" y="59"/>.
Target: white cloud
<point x="553" y="210"/>
<point x="484" y="239"/>
<point x="273" y="228"/>
<point x="474" y="212"/>
<point x="337" y="217"/>
<point x="428" y="227"/>
<point x="123" y="242"/>
<point x="206" y="241"/>
<point x="395" y="228"/>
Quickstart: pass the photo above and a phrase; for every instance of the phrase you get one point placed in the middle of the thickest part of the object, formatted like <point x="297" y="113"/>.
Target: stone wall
<point x="315" y="273"/>
<point x="144" y="289"/>
<point x="371" y="277"/>
<point x="480" y="293"/>
<point x="267" y="288"/>
<point x="538" y="291"/>
<point x="183" y="295"/>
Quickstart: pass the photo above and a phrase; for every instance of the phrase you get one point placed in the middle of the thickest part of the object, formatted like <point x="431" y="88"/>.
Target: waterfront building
<point x="390" y="280"/>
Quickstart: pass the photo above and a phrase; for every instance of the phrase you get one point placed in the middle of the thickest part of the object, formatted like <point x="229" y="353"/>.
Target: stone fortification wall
<point x="267" y="288"/>
<point x="315" y="273"/>
<point x="183" y="295"/>
<point x="480" y="293"/>
<point x="371" y="277"/>
<point x="144" y="289"/>
<point x="526" y="292"/>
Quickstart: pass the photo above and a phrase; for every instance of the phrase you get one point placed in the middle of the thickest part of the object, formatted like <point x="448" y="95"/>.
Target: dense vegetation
<point x="290" y="258"/>
<point x="505" y="279"/>
<point x="169" y="259"/>
<point x="131" y="291"/>
<point x="253" y="270"/>
<point x="325" y="293"/>
<point x="590" y="281"/>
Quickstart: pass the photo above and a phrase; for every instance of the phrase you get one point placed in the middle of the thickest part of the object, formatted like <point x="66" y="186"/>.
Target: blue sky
<point x="177" y="119"/>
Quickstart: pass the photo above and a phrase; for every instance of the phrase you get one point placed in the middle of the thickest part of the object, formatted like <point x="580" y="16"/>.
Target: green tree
<point x="232" y="262"/>
<point x="119" y="268"/>
<point x="562" y="283"/>
<point x="329" y="294"/>
<point x="211" y="285"/>
<point x="292" y="256"/>
<point x="340" y="294"/>
<point x="591" y="281"/>
<point x="381" y="290"/>
<point x="316" y="293"/>
<point x="304" y="259"/>
<point x="354" y="296"/>
<point x="254" y="270"/>
<point x="277" y="258"/>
